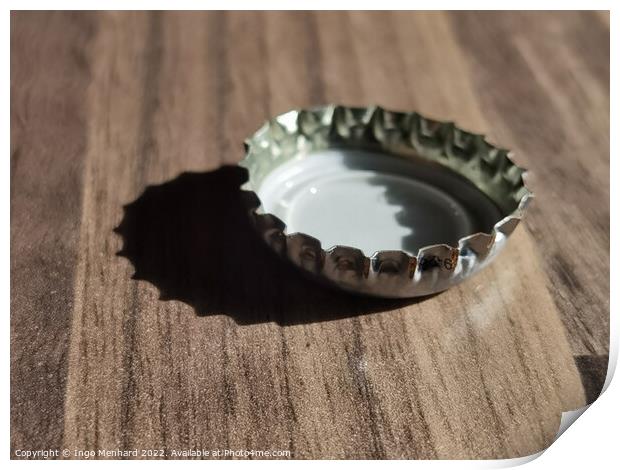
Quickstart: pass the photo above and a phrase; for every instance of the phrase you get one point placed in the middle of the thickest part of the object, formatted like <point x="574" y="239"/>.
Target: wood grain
<point x="49" y="79"/>
<point x="255" y="357"/>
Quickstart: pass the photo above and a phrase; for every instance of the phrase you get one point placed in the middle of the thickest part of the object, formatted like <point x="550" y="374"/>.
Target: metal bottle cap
<point x="331" y="183"/>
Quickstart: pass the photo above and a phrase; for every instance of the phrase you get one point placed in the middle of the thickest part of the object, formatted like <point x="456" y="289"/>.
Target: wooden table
<point x="253" y="357"/>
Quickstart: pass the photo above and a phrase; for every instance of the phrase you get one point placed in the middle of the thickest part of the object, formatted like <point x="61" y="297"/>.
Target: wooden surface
<point x="254" y="357"/>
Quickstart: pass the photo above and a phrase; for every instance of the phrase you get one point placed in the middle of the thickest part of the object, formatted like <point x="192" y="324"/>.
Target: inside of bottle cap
<point x="375" y="201"/>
